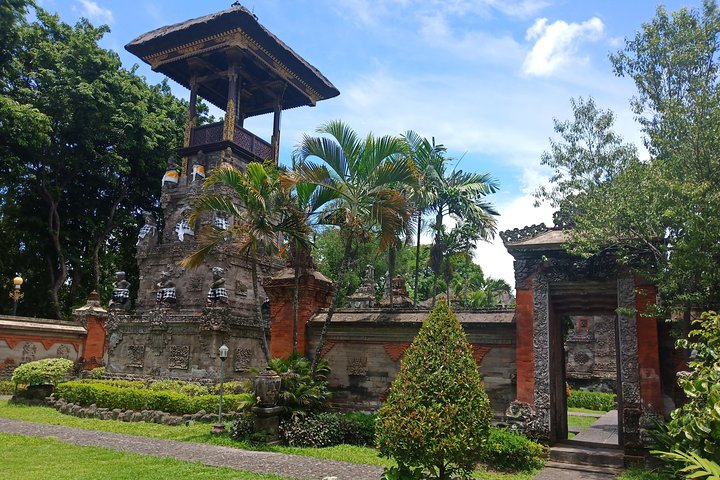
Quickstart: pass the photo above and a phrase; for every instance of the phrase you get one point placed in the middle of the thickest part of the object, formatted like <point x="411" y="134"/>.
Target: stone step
<point x="584" y="468"/>
<point x="595" y="456"/>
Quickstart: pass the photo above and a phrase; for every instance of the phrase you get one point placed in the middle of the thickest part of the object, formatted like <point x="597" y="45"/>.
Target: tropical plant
<point x="302" y="391"/>
<point x="695" y="427"/>
<point x="437" y="416"/>
<point x="462" y="196"/>
<point x="695" y="465"/>
<point x="258" y="206"/>
<point x="359" y="177"/>
<point x="429" y="162"/>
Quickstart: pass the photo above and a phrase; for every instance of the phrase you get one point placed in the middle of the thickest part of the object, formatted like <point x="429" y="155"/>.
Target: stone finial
<point x="92" y="307"/>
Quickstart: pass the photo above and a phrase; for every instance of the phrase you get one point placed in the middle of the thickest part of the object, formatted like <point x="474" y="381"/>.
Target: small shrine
<point x="180" y="317"/>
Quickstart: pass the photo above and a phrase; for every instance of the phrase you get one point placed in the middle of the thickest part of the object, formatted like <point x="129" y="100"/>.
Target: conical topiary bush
<point x="437" y="415"/>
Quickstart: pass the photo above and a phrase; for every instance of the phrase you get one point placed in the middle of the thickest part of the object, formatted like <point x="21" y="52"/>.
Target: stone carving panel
<point x="541" y="350"/>
<point x="241" y="359"/>
<point x="179" y="357"/>
<point x="63" y="351"/>
<point x="628" y="357"/>
<point x="28" y="352"/>
<point x="357" y="366"/>
<point x="136" y="356"/>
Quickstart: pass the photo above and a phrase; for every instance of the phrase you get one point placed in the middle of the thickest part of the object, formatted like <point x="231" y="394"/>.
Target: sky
<point x="485" y="78"/>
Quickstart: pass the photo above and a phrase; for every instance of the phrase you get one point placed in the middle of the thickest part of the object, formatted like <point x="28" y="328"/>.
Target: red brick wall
<point x="648" y="348"/>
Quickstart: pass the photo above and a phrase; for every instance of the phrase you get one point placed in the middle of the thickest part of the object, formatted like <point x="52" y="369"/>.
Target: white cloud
<point x="92" y="11"/>
<point x="556" y="44"/>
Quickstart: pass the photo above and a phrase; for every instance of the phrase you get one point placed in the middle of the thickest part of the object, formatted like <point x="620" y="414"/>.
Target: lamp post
<point x="219" y="427"/>
<point x="15" y="294"/>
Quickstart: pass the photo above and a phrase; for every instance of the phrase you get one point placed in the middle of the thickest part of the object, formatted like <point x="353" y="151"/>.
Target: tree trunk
<point x="333" y="304"/>
<point x="100" y="241"/>
<point x="258" y="309"/>
<point x="392" y="258"/>
<point x="417" y="260"/>
<point x="57" y="281"/>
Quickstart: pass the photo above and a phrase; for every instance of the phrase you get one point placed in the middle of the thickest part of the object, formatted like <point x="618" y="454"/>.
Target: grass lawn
<point x="28" y="457"/>
<point x="581" y="422"/>
<point x="599" y="413"/>
<point x="200" y="433"/>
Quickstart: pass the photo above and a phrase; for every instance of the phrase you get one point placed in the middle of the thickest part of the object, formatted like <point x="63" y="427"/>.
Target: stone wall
<point x="25" y="339"/>
<point x="364" y="348"/>
<point x="591" y="354"/>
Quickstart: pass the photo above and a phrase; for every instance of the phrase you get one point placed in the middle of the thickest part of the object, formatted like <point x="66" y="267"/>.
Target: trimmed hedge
<point x="603" y="402"/>
<point x="48" y="371"/>
<point x="108" y="396"/>
<point x="509" y="451"/>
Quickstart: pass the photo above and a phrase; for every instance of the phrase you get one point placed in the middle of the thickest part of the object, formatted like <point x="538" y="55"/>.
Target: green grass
<point x="580" y="422"/>
<point x="28" y="457"/>
<point x="639" y="473"/>
<point x="586" y="410"/>
<point x="199" y="432"/>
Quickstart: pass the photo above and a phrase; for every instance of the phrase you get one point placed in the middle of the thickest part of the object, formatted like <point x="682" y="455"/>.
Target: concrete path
<point x="555" y="473"/>
<point x="291" y="466"/>
<point x="604" y="430"/>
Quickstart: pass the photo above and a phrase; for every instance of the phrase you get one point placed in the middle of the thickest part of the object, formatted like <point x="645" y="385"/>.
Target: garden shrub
<point x="109" y="396"/>
<point x="360" y="428"/>
<point x="243" y="386"/>
<point x="7" y="387"/>
<point x="243" y="427"/>
<point x="437" y="415"/>
<point x="510" y="451"/>
<point x="694" y="428"/>
<point x="603" y="402"/>
<point x="317" y="431"/>
<point x="49" y="371"/>
<point x="96" y="373"/>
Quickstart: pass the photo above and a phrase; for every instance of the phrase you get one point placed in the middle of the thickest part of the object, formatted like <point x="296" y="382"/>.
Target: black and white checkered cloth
<point x="218" y="294"/>
<point x="146" y="231"/>
<point x="221" y="223"/>
<point x="120" y="294"/>
<point x="166" y="295"/>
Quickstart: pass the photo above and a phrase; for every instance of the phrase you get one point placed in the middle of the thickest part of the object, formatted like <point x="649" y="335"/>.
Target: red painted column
<point x="315" y="293"/>
<point x="524" y="358"/>
<point x="93" y="317"/>
<point x="648" y="348"/>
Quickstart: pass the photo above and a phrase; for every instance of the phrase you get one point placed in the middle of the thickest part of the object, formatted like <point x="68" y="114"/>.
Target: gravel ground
<point x="291" y="466"/>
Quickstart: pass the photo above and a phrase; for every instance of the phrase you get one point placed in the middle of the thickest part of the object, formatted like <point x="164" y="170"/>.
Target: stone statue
<point x="121" y="292"/>
<point x="198" y="168"/>
<point x="218" y="292"/>
<point x="149" y="229"/>
<point x="166" y="289"/>
<point x="172" y="174"/>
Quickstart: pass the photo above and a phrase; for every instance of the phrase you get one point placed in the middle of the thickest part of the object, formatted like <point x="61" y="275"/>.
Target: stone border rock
<point x="148" y="416"/>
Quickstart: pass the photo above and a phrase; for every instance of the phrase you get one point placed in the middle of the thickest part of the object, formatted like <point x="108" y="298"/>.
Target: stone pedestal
<point x="267" y="422"/>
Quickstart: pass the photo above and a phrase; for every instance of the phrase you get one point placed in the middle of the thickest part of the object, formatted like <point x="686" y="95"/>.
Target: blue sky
<point x="484" y="77"/>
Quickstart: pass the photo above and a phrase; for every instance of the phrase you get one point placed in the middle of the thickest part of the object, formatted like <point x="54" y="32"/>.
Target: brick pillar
<point x="524" y="359"/>
<point x="648" y="348"/>
<point x="315" y="293"/>
<point x="93" y="317"/>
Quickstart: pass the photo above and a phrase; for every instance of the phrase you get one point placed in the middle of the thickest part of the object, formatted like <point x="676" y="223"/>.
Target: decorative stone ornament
<point x="166" y="293"/>
<point x="267" y="388"/>
<point x="217" y="293"/>
<point x="121" y="292"/>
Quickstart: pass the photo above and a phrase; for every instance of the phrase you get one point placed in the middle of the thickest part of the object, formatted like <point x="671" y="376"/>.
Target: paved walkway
<point x="290" y="466"/>
<point x="604" y="430"/>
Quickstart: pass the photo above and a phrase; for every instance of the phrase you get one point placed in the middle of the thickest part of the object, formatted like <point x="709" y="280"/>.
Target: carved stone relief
<point x="241" y="359"/>
<point x="357" y="366"/>
<point x="136" y="356"/>
<point x="63" y="351"/>
<point x="541" y="349"/>
<point x="179" y="357"/>
<point x="28" y="352"/>
<point x="628" y="357"/>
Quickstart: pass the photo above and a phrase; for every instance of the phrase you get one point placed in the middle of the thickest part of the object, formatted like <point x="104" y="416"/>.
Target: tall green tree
<point x="82" y="142"/>
<point x="661" y="216"/>
<point x="462" y="196"/>
<point x="258" y="208"/>
<point x="360" y="174"/>
<point x="429" y="160"/>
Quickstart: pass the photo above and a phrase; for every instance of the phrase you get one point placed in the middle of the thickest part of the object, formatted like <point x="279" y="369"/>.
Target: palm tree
<point x="359" y="175"/>
<point x="259" y="207"/>
<point x="461" y="195"/>
<point x="429" y="162"/>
